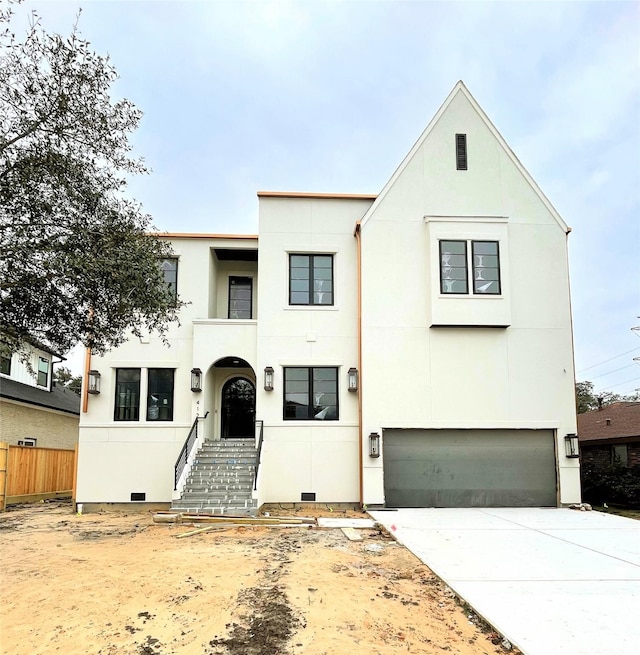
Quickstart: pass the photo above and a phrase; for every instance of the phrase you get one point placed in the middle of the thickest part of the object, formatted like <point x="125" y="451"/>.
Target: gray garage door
<point x="469" y="468"/>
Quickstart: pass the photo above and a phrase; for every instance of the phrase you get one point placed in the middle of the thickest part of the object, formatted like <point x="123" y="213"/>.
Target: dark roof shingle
<point x="611" y="422"/>
<point x="64" y="400"/>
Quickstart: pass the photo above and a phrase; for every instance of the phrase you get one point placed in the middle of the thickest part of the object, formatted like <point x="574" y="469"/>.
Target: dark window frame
<point x="172" y="292"/>
<point x="466" y="268"/>
<point x="462" y="161"/>
<point x="229" y="299"/>
<point x="311" y="407"/>
<point x="160" y="416"/>
<point x="474" y="268"/>
<point x="470" y="268"/>
<point x="5" y="364"/>
<point x="311" y="258"/>
<point x="619" y="459"/>
<point x="123" y="412"/>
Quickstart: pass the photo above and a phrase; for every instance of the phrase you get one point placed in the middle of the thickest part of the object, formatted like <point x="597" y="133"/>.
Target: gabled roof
<point x="461" y="88"/>
<point x="64" y="400"/>
<point x="614" y="421"/>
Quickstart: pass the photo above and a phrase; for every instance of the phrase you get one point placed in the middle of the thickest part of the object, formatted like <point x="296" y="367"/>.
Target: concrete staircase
<point x="221" y="479"/>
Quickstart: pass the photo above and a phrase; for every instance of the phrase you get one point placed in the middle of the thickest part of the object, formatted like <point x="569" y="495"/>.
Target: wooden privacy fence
<point x="28" y="474"/>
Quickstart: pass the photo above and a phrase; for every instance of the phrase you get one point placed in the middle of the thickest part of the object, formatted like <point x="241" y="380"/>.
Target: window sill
<point x="310" y="308"/>
<point x="470" y="296"/>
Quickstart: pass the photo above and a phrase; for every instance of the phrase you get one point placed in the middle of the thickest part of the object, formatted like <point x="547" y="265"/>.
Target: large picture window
<point x="311" y="393"/>
<point x="311" y="279"/>
<point x="484" y="267"/>
<point x="127" y="400"/>
<point x="160" y="394"/>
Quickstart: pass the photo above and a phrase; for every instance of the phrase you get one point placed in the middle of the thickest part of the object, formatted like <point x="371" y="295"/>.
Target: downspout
<point x="85" y="388"/>
<point x="357" y="235"/>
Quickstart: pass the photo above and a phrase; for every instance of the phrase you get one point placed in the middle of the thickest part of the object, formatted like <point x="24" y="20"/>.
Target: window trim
<point x="312" y="256"/>
<point x="46" y="373"/>
<point x="310" y="392"/>
<point x="470" y="269"/>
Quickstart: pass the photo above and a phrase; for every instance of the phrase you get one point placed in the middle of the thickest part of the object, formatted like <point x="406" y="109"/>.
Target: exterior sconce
<point x="352" y="376"/>
<point x="94" y="382"/>
<point x="196" y="380"/>
<point x="374" y="445"/>
<point x="268" y="378"/>
<point x="571" y="445"/>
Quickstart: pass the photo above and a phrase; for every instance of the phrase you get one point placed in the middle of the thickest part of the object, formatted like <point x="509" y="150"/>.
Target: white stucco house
<point x="411" y="348"/>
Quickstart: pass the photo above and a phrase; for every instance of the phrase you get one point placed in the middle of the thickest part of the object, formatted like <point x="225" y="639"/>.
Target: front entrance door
<point x="238" y="408"/>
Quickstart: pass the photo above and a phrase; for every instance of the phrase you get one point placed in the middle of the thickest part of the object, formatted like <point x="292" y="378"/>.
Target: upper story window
<point x="461" y="152"/>
<point x="240" y="297"/>
<point x="160" y="394"/>
<point x="5" y="364"/>
<point x="311" y="279"/>
<point x="311" y="393"/>
<point x="484" y="267"/>
<point x="127" y="400"/>
<point x="43" y="372"/>
<point x="169" y="268"/>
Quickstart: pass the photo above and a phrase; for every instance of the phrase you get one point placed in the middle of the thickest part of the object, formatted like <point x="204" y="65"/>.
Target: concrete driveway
<point x="550" y="580"/>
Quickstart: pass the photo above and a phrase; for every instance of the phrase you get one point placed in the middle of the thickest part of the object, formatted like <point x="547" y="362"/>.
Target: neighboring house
<point x="33" y="410"/>
<point x="411" y="348"/>
<point x="610" y="435"/>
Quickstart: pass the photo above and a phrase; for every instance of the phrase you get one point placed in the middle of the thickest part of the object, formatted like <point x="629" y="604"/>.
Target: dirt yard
<point x="119" y="584"/>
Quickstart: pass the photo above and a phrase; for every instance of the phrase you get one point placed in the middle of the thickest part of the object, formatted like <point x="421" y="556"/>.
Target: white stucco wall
<point x="418" y="373"/>
<point x="308" y="456"/>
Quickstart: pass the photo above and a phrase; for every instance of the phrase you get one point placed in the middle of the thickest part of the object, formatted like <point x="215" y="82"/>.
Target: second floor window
<point x="484" y="266"/>
<point x="169" y="268"/>
<point x="43" y="372"/>
<point x="5" y="364"/>
<point x="311" y="279"/>
<point x="240" y="297"/>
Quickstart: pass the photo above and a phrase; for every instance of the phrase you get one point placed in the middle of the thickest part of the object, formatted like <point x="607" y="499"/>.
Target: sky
<point x="242" y="96"/>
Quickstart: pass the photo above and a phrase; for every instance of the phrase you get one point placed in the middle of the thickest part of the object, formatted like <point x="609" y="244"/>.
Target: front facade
<point x="412" y="348"/>
<point x="34" y="412"/>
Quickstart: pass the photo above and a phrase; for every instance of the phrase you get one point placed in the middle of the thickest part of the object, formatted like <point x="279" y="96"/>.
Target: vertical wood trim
<point x="4" y="465"/>
<point x="75" y="475"/>
<point x="85" y="387"/>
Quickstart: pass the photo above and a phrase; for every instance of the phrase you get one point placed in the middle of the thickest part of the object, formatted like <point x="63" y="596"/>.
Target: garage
<point x="469" y="468"/>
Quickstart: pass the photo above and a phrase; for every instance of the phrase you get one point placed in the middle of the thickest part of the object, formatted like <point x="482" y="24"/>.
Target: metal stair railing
<point x="185" y="453"/>
<point x="258" y="453"/>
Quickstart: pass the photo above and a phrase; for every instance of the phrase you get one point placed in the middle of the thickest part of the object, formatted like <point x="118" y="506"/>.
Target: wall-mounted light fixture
<point x="94" y="382"/>
<point x="268" y="378"/>
<point x="571" y="445"/>
<point x="374" y="445"/>
<point x="352" y="377"/>
<point x="196" y="380"/>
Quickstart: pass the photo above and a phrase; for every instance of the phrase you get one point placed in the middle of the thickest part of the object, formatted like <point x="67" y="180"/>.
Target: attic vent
<point x="461" y="152"/>
<point x="608" y="421"/>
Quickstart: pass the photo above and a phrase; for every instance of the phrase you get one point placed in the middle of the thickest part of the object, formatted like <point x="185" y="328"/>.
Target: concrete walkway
<point x="550" y="580"/>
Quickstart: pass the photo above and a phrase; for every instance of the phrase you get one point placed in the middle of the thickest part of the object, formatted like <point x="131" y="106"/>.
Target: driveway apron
<point x="549" y="580"/>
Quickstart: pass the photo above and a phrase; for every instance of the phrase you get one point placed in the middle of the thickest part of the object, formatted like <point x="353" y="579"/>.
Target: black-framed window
<point x="484" y="266"/>
<point x="169" y="268"/>
<point x="311" y="393"/>
<point x="160" y="394"/>
<point x="5" y="364"/>
<point x="453" y="267"/>
<point x="240" y="297"/>
<point x="127" y="399"/>
<point x="461" y="152"/>
<point x="43" y="372"/>
<point x="311" y="279"/>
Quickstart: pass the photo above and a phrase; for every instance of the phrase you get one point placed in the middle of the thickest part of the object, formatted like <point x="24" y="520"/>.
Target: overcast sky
<point x="329" y="96"/>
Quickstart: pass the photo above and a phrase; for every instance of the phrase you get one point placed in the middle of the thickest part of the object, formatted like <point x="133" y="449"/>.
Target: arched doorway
<point x="238" y="408"/>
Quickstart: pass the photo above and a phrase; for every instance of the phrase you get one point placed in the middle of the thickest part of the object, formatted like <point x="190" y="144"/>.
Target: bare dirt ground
<point x="112" y="584"/>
